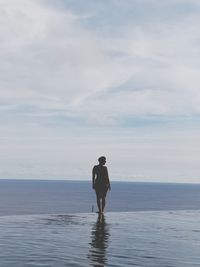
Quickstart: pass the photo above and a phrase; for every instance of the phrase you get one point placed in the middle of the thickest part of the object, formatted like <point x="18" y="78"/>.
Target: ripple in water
<point x="157" y="239"/>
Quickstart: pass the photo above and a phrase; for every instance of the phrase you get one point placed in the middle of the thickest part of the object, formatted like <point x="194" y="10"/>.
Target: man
<point x="101" y="183"/>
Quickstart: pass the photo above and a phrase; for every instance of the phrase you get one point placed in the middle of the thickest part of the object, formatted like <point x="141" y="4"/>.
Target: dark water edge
<point x="21" y="197"/>
<point x="117" y="239"/>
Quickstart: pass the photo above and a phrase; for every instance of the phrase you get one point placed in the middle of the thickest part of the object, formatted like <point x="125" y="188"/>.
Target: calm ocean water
<point x="50" y="223"/>
<point x="20" y="197"/>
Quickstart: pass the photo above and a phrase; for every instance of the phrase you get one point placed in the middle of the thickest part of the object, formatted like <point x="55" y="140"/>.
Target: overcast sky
<point x="80" y="79"/>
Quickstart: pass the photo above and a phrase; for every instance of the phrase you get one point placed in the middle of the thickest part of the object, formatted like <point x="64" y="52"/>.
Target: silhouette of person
<point x="101" y="183"/>
<point x="99" y="242"/>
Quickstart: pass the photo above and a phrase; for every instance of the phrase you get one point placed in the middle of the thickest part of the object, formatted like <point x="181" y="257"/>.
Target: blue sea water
<point x="50" y="223"/>
<point x="54" y="197"/>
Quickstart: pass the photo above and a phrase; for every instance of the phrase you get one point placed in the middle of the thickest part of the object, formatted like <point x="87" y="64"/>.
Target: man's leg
<point x="103" y="203"/>
<point x="104" y="198"/>
<point x="99" y="203"/>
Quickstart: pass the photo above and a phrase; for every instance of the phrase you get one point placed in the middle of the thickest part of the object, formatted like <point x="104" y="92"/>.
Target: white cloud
<point x="160" y="154"/>
<point x="51" y="61"/>
<point x="61" y="70"/>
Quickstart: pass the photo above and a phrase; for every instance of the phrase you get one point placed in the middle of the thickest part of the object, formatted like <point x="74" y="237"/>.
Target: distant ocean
<point x="20" y="197"/>
<point x="50" y="223"/>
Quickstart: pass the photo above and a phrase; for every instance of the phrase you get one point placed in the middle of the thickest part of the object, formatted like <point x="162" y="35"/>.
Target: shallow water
<point x="159" y="238"/>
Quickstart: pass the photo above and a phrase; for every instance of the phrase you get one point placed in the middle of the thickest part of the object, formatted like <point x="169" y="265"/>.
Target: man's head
<point x="102" y="160"/>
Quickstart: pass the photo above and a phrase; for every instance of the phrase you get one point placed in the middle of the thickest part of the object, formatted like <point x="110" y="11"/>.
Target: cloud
<point x="165" y="153"/>
<point x="49" y="61"/>
<point x="79" y="79"/>
<point x="52" y="60"/>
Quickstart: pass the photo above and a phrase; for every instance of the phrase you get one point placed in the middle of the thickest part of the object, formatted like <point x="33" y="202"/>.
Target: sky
<point x="82" y="79"/>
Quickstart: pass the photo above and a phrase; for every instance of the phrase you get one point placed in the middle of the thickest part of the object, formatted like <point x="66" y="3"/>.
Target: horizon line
<point x="77" y="180"/>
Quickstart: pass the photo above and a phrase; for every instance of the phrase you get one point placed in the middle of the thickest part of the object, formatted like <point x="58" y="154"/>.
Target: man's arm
<point x="109" y="186"/>
<point x="93" y="177"/>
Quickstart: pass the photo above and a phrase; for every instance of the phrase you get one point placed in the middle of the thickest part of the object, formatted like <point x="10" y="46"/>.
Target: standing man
<point x="101" y="183"/>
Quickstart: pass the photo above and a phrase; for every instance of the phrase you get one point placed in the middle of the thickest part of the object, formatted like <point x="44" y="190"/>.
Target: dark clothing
<point x="101" y="181"/>
<point x="101" y="191"/>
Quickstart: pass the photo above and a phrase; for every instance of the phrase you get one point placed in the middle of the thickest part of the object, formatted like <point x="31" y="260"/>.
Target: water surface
<point x="45" y="197"/>
<point x="157" y="239"/>
<point x="49" y="223"/>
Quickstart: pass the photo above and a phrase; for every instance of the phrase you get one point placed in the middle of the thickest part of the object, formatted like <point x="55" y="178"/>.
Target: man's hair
<point x="101" y="158"/>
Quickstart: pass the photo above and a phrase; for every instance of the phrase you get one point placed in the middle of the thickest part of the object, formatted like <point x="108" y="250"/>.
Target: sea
<point x="54" y="223"/>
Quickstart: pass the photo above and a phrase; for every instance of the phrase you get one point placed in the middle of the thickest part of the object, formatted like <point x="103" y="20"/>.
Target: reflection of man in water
<point x="101" y="183"/>
<point x="99" y="242"/>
